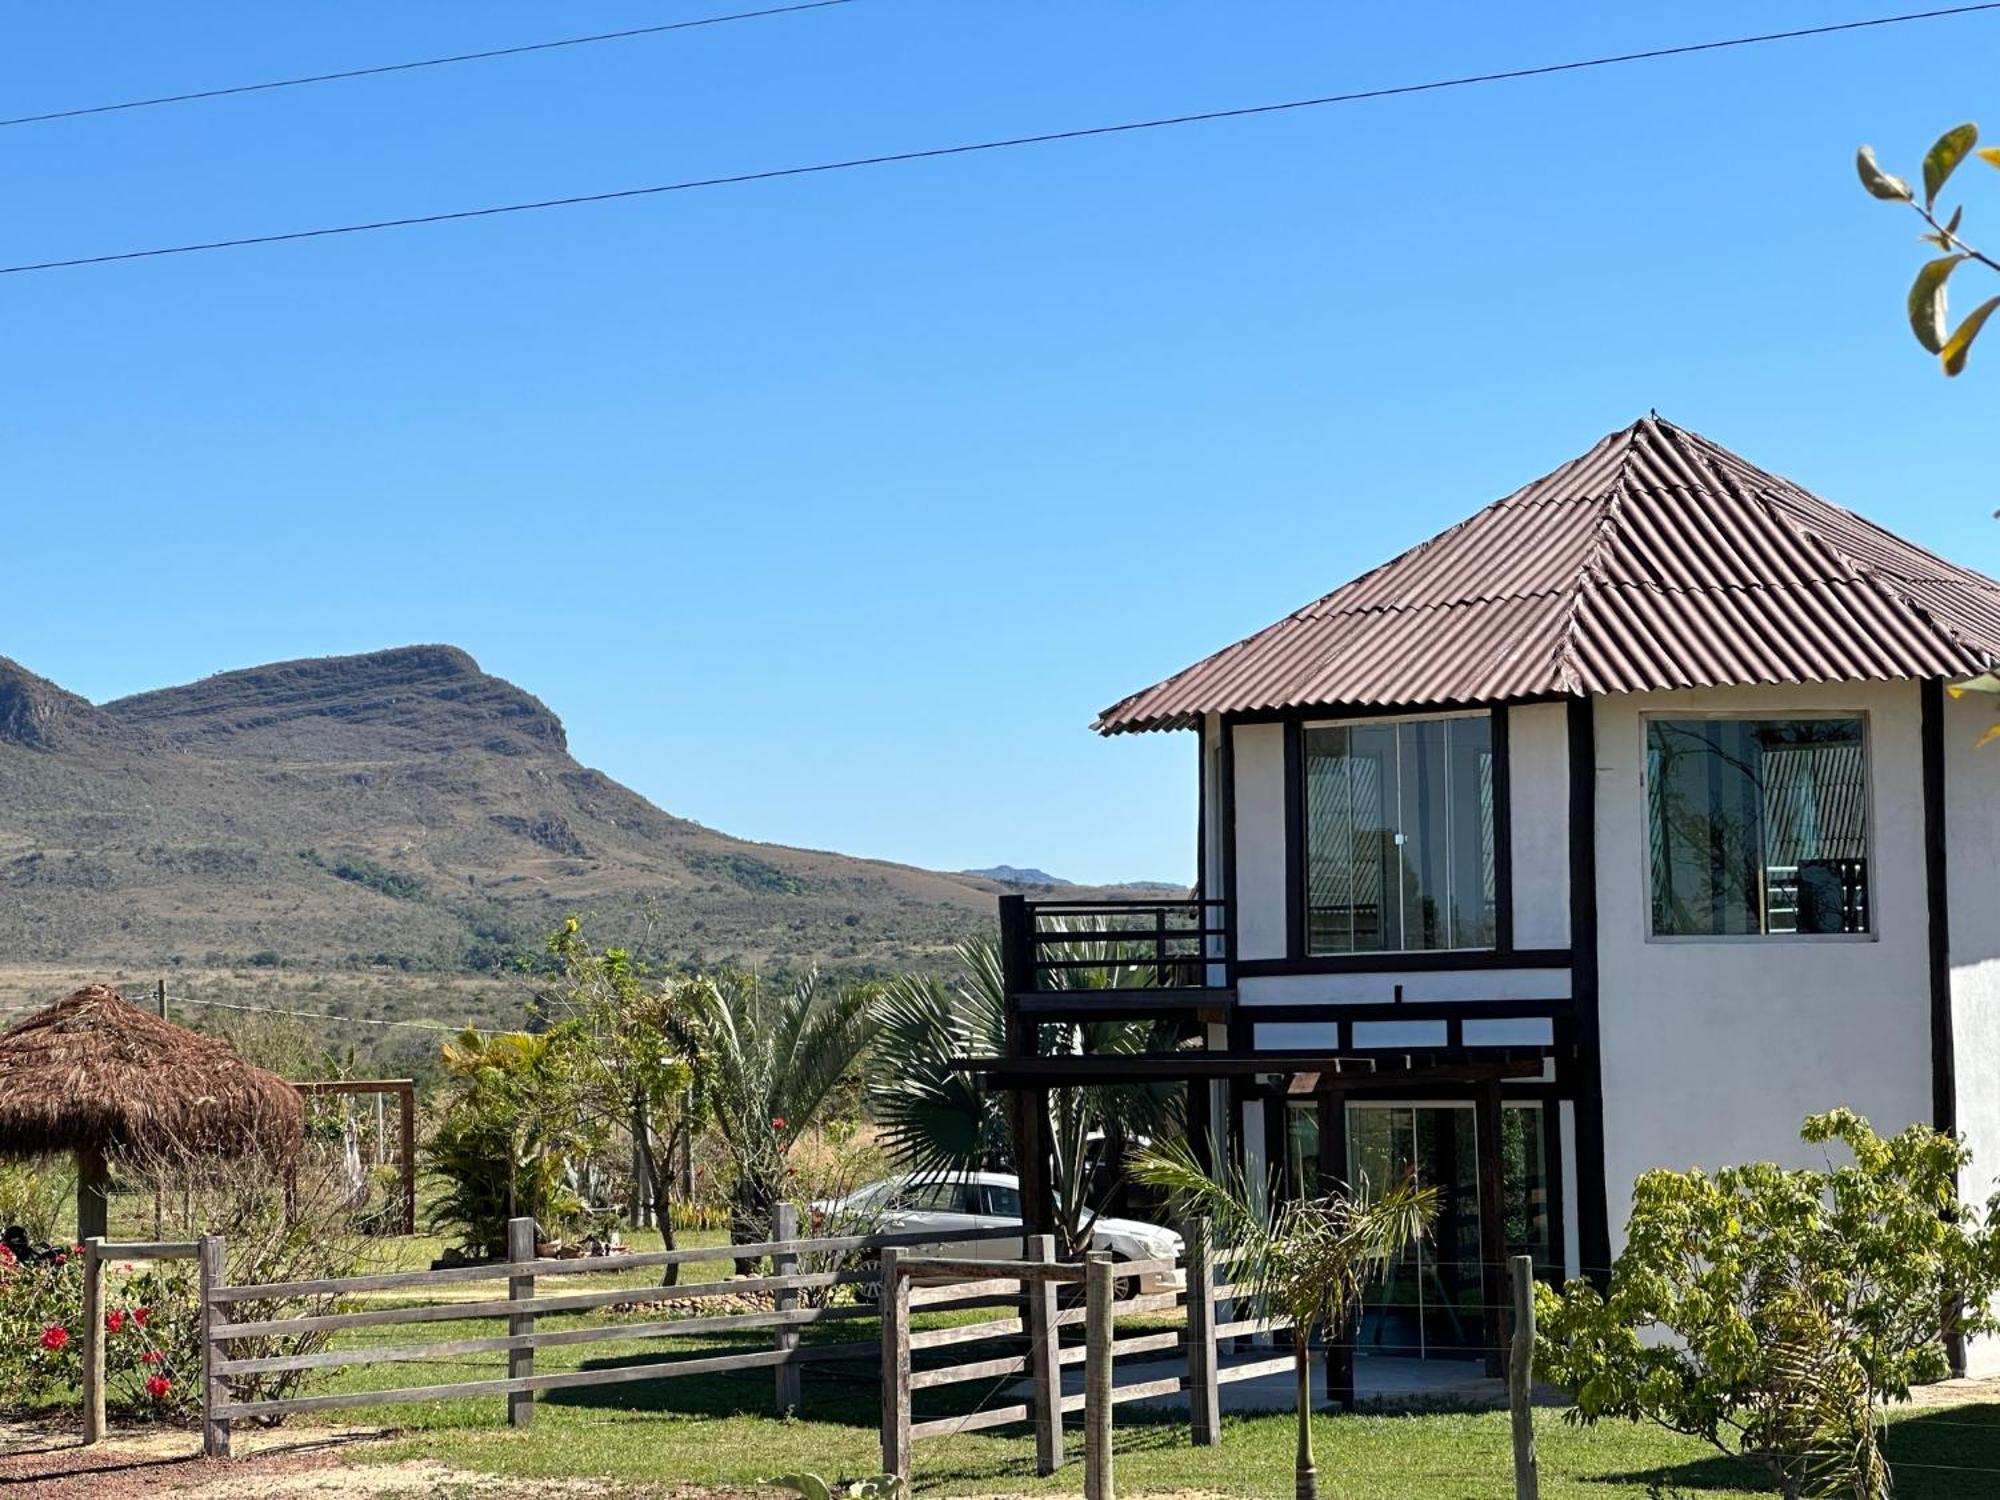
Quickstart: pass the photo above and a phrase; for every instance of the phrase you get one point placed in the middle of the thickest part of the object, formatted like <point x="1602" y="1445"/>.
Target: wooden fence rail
<point x="522" y="1306"/>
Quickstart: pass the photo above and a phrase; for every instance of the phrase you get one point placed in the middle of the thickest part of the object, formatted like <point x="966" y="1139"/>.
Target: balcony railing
<point x="1086" y="950"/>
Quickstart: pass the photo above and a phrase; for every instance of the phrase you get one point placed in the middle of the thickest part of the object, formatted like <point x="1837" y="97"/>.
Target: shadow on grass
<point x="1943" y="1454"/>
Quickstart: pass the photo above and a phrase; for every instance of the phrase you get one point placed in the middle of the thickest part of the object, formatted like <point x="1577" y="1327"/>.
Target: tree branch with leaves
<point x="1929" y="319"/>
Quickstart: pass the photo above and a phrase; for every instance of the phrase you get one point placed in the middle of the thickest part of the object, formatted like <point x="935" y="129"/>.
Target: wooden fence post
<point x="895" y="1303"/>
<point x="406" y="1141"/>
<point x="214" y="1389"/>
<point x="785" y="1228"/>
<point x="93" y="1340"/>
<point x="1521" y="1381"/>
<point x="1204" y="1390"/>
<point x="1097" y="1326"/>
<point x="1044" y="1363"/>
<point x="520" y="1361"/>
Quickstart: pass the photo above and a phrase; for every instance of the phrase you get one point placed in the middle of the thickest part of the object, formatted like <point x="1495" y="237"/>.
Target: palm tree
<point x="1308" y="1259"/>
<point x="936" y="1120"/>
<point x="772" y="1061"/>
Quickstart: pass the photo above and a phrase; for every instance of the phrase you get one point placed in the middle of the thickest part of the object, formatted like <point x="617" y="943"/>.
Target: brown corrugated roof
<point x="1656" y="560"/>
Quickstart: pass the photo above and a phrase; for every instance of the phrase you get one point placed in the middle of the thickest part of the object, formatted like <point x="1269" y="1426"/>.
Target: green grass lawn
<point x="719" y="1429"/>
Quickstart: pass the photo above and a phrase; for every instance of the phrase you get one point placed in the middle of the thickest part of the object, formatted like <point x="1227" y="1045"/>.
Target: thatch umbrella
<point x="100" y="1077"/>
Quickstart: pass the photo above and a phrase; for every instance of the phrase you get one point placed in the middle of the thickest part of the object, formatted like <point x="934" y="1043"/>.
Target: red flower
<point x="151" y="1357"/>
<point x="777" y="1122"/>
<point x="55" y="1336"/>
<point x="6" y="1256"/>
<point x="114" y="1320"/>
<point x="61" y="1258"/>
<point x="157" y="1386"/>
<point x="140" y="1314"/>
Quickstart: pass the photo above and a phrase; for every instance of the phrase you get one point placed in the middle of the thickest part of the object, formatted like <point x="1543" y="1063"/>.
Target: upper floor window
<point x="1758" y="826"/>
<point x="1399" y="835"/>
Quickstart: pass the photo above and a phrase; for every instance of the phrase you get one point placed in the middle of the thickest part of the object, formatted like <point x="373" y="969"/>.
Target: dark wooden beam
<point x="1593" y="1208"/>
<point x="1353" y="1071"/>
<point x="1487" y="1128"/>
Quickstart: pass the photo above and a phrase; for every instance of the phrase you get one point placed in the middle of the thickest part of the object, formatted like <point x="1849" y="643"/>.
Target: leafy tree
<point x="1772" y="1312"/>
<point x="937" y="1121"/>
<point x="772" y="1063"/>
<point x="1928" y="319"/>
<point x="512" y="1128"/>
<point x="639" y="1061"/>
<point x="1307" y="1259"/>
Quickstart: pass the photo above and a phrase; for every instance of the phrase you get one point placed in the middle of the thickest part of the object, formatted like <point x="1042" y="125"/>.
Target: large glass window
<point x="1757" y="826"/>
<point x="1399" y="835"/>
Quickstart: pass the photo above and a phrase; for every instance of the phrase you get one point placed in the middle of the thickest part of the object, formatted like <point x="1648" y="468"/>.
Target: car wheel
<point x="869" y="1288"/>
<point x="1124" y="1289"/>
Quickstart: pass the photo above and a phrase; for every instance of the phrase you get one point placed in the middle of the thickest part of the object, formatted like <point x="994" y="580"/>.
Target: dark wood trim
<point x="1226" y="774"/>
<point x="1409" y="1010"/>
<point x="1503" y="834"/>
<point x="1277" y="1146"/>
<point x="1944" y="1060"/>
<point x="1201" y="809"/>
<point x="1295" y="840"/>
<point x="1487" y="1130"/>
<point x="1438" y="961"/>
<point x="1355" y="1070"/>
<point x="1315" y="713"/>
<point x="1592" y="1192"/>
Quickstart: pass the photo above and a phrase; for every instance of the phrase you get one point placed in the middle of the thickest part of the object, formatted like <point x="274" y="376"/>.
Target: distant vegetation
<point x="365" y="872"/>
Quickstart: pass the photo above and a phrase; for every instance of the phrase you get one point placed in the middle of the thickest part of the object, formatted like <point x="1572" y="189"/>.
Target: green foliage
<point x="152" y="1349"/>
<point x="512" y="1121"/>
<point x="1929" y="319"/>
<point x="875" y="1487"/>
<point x="750" y="873"/>
<point x="1772" y="1311"/>
<point x="772" y="1063"/>
<point x="937" y="1121"/>
<point x="40" y="1196"/>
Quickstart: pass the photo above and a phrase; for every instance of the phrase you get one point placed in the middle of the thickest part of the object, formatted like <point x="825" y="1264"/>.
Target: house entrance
<point x="1431" y="1303"/>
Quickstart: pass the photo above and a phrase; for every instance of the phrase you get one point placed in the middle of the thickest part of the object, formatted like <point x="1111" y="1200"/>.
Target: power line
<point x="407" y="67"/>
<point x="935" y="152"/>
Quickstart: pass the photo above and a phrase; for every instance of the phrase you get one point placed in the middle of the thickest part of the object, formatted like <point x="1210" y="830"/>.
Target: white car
<point x="991" y="1200"/>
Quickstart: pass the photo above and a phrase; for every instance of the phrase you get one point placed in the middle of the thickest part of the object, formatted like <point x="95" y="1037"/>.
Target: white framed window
<point x="1398" y="835"/>
<point x="1757" y="825"/>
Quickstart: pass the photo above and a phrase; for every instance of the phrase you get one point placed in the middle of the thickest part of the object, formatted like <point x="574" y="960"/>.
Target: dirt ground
<point x="47" y="1462"/>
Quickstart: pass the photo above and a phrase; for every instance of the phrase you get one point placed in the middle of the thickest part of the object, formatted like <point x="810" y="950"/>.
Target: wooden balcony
<point x="1117" y="959"/>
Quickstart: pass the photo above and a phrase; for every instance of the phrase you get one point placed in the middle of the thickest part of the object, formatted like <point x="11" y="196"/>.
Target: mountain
<point x="396" y="811"/>
<point x="1016" y="875"/>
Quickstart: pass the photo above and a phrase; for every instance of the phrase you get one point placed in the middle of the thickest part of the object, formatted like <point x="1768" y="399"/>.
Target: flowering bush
<point x="152" y="1349"/>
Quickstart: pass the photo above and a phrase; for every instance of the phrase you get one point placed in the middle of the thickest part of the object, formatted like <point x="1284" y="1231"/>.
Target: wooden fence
<point x="521" y="1306"/>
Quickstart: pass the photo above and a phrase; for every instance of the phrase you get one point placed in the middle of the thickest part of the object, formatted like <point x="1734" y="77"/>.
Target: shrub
<point x="1773" y="1312"/>
<point x="152" y="1346"/>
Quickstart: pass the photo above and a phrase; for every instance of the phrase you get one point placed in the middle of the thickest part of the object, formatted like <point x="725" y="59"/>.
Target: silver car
<point x="952" y="1206"/>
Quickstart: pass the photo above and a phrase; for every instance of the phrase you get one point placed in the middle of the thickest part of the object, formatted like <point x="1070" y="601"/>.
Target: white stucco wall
<point x="1538" y="777"/>
<point x="1714" y="1051"/>
<point x="1972" y="874"/>
<point x="1260" y="840"/>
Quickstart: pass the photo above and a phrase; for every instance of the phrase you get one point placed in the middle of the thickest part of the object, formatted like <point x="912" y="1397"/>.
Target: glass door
<point x="1430" y="1302"/>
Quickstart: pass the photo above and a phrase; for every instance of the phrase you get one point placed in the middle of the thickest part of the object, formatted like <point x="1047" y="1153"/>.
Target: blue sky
<point x="829" y="511"/>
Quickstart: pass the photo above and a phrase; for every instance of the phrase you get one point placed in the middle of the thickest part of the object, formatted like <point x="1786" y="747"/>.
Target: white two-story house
<point x="1621" y="825"/>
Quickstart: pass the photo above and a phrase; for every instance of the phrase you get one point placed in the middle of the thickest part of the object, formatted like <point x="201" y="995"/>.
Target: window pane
<point x="1399" y="836"/>
<point x="1757" y="826"/>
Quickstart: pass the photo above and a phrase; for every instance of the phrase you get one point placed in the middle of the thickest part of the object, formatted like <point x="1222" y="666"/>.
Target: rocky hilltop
<point x="396" y="810"/>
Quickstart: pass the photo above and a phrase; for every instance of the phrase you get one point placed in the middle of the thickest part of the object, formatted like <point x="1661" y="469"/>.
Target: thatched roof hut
<point x="100" y="1077"/>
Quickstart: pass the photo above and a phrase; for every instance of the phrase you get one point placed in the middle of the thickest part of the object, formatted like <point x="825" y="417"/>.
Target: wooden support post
<point x="1333" y="1175"/>
<point x="1204" y="1389"/>
<point x="92" y="1178"/>
<point x="214" y="1389"/>
<point x="406" y="1098"/>
<point x="93" y="1340"/>
<point x="642" y="1171"/>
<point x="521" y="1361"/>
<point x="1097" y="1381"/>
<point x="1492" y="1223"/>
<point x="1521" y="1380"/>
<point x="1043" y="1360"/>
<point x="160" y="997"/>
<point x="784" y="1228"/>
<point x="895" y="1369"/>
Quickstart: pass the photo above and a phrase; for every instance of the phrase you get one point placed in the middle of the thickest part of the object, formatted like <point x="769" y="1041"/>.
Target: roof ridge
<point x="1569" y="670"/>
